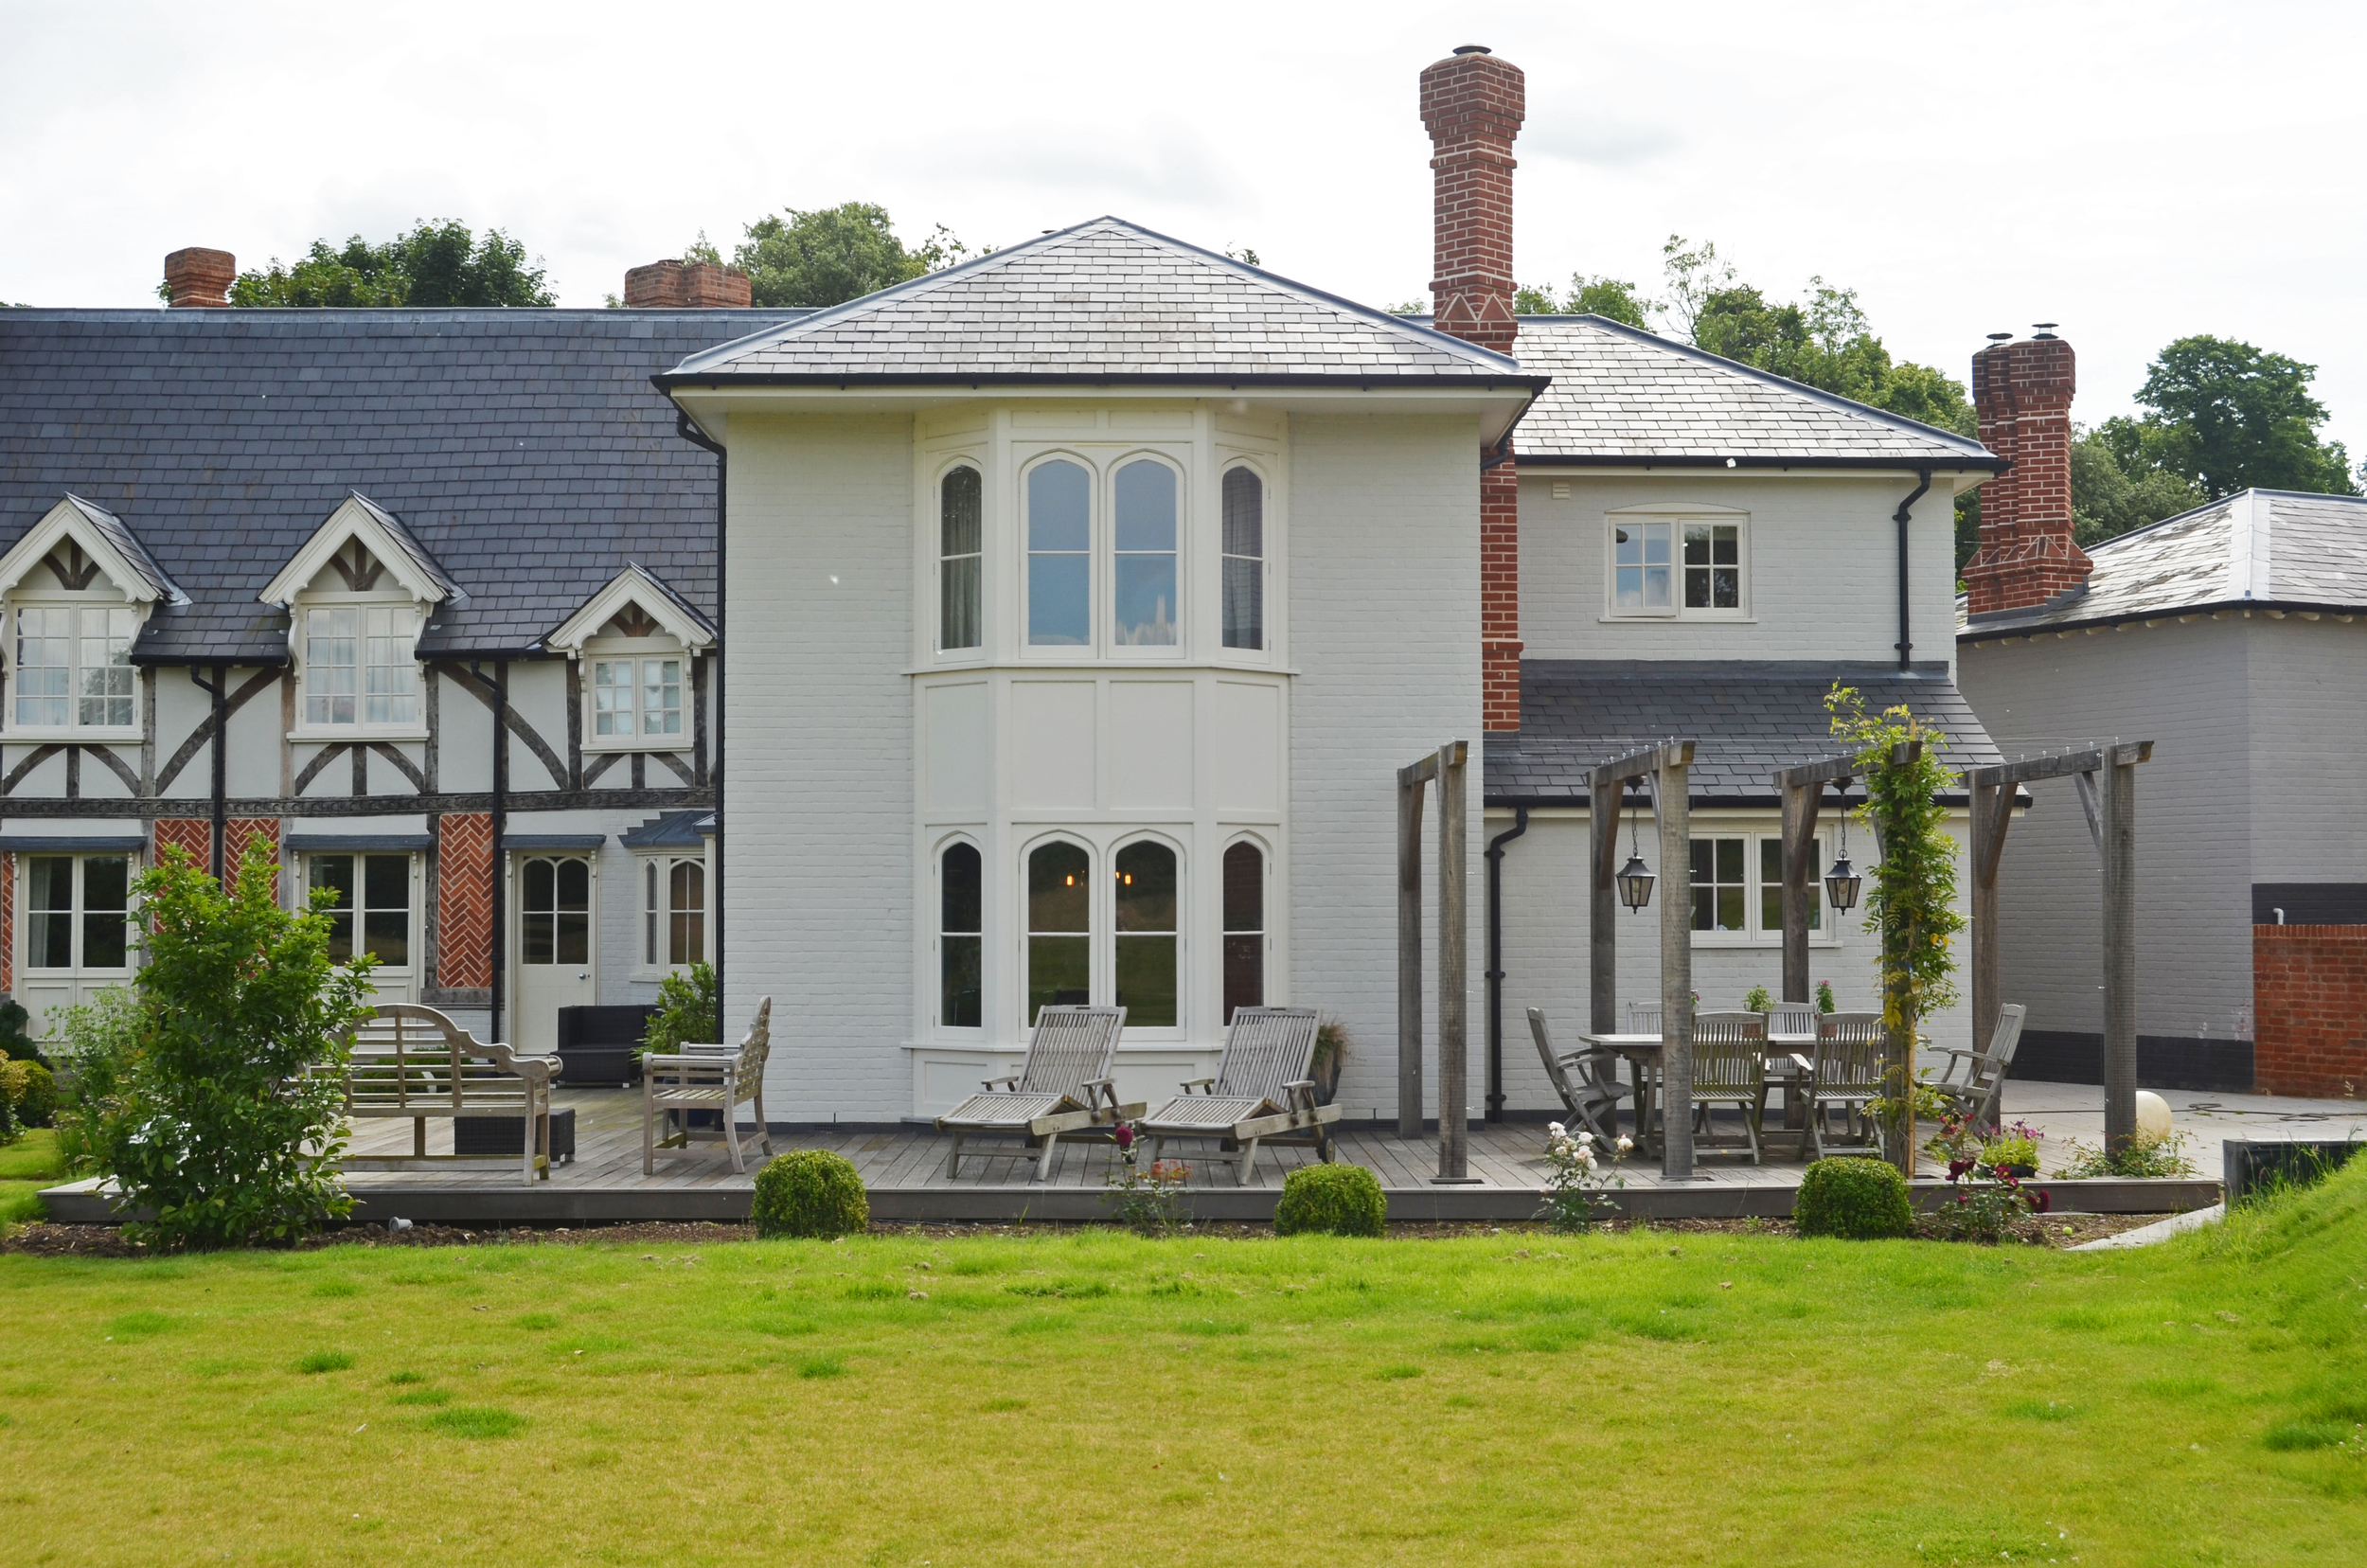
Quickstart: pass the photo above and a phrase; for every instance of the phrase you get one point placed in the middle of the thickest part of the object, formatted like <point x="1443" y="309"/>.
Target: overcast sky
<point x="2137" y="172"/>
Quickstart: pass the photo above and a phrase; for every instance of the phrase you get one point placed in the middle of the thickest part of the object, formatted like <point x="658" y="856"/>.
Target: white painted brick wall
<point x="2305" y="689"/>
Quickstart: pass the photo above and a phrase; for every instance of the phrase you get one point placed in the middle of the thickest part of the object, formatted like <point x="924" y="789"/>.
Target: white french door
<point x="556" y="964"/>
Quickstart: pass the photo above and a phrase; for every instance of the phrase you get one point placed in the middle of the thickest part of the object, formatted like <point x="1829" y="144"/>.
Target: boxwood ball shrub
<point x="1860" y="1200"/>
<point x="811" y="1192"/>
<point x="1333" y="1200"/>
<point x="38" y="1103"/>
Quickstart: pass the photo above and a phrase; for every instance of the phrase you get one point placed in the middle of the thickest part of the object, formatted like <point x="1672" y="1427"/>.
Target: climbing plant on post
<point x="1913" y="904"/>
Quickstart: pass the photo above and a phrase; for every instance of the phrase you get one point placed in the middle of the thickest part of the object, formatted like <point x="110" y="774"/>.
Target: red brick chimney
<point x="687" y="286"/>
<point x="2023" y="392"/>
<point x="1473" y="104"/>
<point x="200" y="277"/>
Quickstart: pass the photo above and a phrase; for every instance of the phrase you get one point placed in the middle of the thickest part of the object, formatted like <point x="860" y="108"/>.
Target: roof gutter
<point x="1968" y="463"/>
<point x="1978" y="632"/>
<point x="669" y="382"/>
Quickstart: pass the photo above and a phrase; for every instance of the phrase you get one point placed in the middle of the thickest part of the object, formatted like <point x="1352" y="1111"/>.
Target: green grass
<point x="26" y="1166"/>
<point x="1088" y="1397"/>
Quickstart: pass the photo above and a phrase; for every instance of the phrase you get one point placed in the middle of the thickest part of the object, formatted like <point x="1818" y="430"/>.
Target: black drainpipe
<point x="220" y="691"/>
<point x="1496" y="961"/>
<point x="1901" y="517"/>
<point x="696" y="437"/>
<point x="500" y="814"/>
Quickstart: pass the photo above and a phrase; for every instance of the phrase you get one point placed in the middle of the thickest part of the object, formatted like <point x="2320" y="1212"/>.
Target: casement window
<point x="1059" y="556"/>
<point x="1682" y="568"/>
<point x="1142" y="952"/>
<point x="372" y="914"/>
<point x="1143" y="599"/>
<point x="1245" y="562"/>
<point x="1245" y="928"/>
<point x="638" y="700"/>
<point x="1737" y="889"/>
<point x="1059" y="927"/>
<point x="673" y="911"/>
<point x="74" y="912"/>
<point x="961" y="938"/>
<point x="74" y="666"/>
<point x="1143" y="878"/>
<point x="359" y="666"/>
<point x="961" y="545"/>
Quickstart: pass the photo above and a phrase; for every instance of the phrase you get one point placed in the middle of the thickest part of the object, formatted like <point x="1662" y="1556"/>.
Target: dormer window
<point x="74" y="590"/>
<point x="359" y="594"/>
<point x="638" y="644"/>
<point x="637" y="698"/>
<point x="358" y="665"/>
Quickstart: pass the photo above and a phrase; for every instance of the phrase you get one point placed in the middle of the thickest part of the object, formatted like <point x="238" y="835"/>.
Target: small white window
<point x="1144" y="595"/>
<point x="1244" y="558"/>
<point x="673" y="913"/>
<point x="1684" y="568"/>
<point x="74" y="666"/>
<point x="359" y="666"/>
<point x="1060" y="555"/>
<point x="1737" y="889"/>
<point x="637" y="698"/>
<point x="372" y="914"/>
<point x="961" y="543"/>
<point x="75" y="908"/>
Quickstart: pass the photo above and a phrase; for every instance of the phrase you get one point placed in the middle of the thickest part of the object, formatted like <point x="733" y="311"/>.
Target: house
<point x="424" y="600"/>
<point x="2235" y="636"/>
<point x="1066" y="616"/>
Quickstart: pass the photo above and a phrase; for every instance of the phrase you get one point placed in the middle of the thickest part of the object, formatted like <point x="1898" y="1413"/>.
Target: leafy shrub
<point x="2153" y="1154"/>
<point x="1860" y="1200"/>
<point x="1333" y="1200"/>
<point x="811" y="1192"/>
<point x="689" y="1013"/>
<point x="1757" y="1000"/>
<point x="16" y="1043"/>
<point x="1824" y="997"/>
<point x="96" y="1042"/>
<point x="221" y="1126"/>
<point x="34" y="1092"/>
<point x="12" y="1080"/>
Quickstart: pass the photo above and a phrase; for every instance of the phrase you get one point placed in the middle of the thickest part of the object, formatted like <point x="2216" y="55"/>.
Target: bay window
<point x="1244" y="558"/>
<point x="1060" y="555"/>
<point x="1059" y="928"/>
<point x="1145" y="934"/>
<point x="1144" y="597"/>
<point x="961" y="543"/>
<point x="1244" y="929"/>
<point x="961" y="912"/>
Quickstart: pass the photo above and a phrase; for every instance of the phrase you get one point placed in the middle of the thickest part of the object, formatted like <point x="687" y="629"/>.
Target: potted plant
<point x="1331" y="1054"/>
<point x="2015" y="1149"/>
<point x="1757" y="1000"/>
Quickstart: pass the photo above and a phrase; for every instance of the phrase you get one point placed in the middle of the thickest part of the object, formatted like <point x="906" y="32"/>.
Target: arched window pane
<point x="686" y="936"/>
<point x="1244" y="559"/>
<point x="1244" y="929"/>
<point x="1145" y="874"/>
<point x="961" y="901"/>
<point x="1145" y="605"/>
<point x="1059" y="546"/>
<point x="652" y="914"/>
<point x="1059" y="928"/>
<point x="960" y="545"/>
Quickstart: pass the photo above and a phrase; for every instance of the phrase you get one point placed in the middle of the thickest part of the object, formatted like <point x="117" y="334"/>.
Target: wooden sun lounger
<point x="1063" y="1085"/>
<point x="410" y="1062"/>
<point x="1263" y="1092"/>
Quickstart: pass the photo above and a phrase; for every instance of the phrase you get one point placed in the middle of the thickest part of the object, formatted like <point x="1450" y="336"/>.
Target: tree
<point x="436" y="263"/>
<point x="832" y="255"/>
<point x="2109" y="499"/>
<point x="1614" y="298"/>
<point x="2227" y="417"/>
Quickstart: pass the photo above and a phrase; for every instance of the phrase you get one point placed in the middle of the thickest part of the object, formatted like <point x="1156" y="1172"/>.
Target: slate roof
<point x="2285" y="549"/>
<point x="111" y="528"/>
<point x="525" y="452"/>
<point x="1620" y="394"/>
<point x="408" y="543"/>
<point x="1104" y="301"/>
<point x="1749" y="717"/>
<point x="671" y="830"/>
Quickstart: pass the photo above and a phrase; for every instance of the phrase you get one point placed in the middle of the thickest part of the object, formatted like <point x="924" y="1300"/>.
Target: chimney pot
<point x="2000" y="337"/>
<point x="201" y="279"/>
<point x="2027" y="555"/>
<point x="677" y="285"/>
<point x="2043" y="329"/>
<point x="1472" y="48"/>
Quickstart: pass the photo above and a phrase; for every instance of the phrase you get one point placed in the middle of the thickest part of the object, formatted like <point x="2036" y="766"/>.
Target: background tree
<point x="832" y="255"/>
<point x="1614" y="298"/>
<point x="2225" y="417"/>
<point x="436" y="263"/>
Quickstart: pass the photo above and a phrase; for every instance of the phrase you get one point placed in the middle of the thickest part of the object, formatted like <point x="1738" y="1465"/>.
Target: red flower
<point x="2044" y="1202"/>
<point x="1125" y="1135"/>
<point x="1957" y="1168"/>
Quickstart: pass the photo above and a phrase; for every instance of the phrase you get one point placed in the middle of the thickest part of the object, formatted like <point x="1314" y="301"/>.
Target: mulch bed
<point x="43" y="1240"/>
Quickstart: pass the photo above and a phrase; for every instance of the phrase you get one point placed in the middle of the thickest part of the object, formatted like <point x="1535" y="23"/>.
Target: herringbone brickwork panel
<point x="464" y="900"/>
<point x="192" y="836"/>
<point x="237" y="832"/>
<point x="7" y="922"/>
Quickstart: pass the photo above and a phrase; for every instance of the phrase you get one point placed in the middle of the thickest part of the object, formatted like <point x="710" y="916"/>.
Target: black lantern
<point x="1635" y="880"/>
<point x="1841" y="881"/>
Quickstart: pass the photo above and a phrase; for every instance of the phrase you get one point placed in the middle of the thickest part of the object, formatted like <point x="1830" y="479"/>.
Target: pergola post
<point x="1454" y="1085"/>
<point x="1410" y="781"/>
<point x="1669" y="803"/>
<point x="1602" y="920"/>
<point x="1992" y="814"/>
<point x="1802" y="791"/>
<point x="2120" y="948"/>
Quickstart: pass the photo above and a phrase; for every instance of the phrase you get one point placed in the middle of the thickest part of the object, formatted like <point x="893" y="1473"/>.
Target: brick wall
<point x="686" y="285"/>
<point x="237" y="832"/>
<point x="464" y="900"/>
<point x="7" y="922"/>
<point x="2309" y="999"/>
<point x="1473" y="104"/>
<point x="2023" y="393"/>
<point x="192" y="836"/>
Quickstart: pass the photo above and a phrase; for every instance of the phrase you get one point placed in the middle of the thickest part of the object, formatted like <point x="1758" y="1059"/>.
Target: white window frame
<point x="77" y="605"/>
<point x="1101" y="552"/>
<point x="77" y="968"/>
<point x="933" y="970"/>
<point x="1256" y="471"/>
<point x="1755" y="886"/>
<point x="601" y="650"/>
<point x="937" y="557"/>
<point x="415" y="885"/>
<point x="1105" y="543"/>
<point x="299" y="640"/>
<point x="663" y="862"/>
<point x="1676" y="521"/>
<point x="1101" y="861"/>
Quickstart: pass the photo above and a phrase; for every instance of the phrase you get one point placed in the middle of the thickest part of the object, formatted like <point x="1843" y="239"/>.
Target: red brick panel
<point x="679" y="285"/>
<point x="1473" y="105"/>
<point x="192" y="836"/>
<point x="201" y="277"/>
<point x="464" y="900"/>
<point x="237" y="832"/>
<point x="2309" y="1010"/>
<point x="7" y="922"/>
<point x="2023" y="392"/>
<point x="1500" y="597"/>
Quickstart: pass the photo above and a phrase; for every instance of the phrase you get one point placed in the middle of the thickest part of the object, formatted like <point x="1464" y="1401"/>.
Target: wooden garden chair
<point x="1588" y="1081"/>
<point x="720" y="1079"/>
<point x="1976" y="1097"/>
<point x="1062" y="1085"/>
<point x="413" y="1063"/>
<point x="1263" y="1092"/>
<point x="1729" y="1068"/>
<point x="1844" y="1072"/>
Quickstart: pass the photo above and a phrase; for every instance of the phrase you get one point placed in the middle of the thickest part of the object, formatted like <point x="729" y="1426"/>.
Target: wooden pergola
<point x="1668" y="766"/>
<point x="1446" y="768"/>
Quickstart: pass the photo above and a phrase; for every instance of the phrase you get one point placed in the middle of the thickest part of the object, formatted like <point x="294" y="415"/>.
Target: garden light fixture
<point x="1841" y="881"/>
<point x="1635" y="880"/>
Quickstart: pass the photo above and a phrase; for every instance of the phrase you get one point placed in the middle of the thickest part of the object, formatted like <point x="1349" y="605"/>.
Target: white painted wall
<point x="2306" y="690"/>
<point x="1822" y="557"/>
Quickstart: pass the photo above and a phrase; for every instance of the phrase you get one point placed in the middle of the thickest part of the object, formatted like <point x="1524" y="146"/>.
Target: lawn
<point x="1088" y="1397"/>
<point x="26" y="1166"/>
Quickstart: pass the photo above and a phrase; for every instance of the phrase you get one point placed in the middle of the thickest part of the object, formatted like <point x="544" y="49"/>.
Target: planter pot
<point x="1326" y="1077"/>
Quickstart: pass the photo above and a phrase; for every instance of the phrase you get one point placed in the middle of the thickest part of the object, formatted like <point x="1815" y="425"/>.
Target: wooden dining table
<point x="1787" y="1054"/>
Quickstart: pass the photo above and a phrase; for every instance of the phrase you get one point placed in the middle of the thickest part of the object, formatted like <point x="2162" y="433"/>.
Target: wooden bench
<point x="412" y="1063"/>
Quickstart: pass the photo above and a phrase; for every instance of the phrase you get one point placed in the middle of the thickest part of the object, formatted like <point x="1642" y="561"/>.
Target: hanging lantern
<point x="1634" y="878"/>
<point x="1841" y="882"/>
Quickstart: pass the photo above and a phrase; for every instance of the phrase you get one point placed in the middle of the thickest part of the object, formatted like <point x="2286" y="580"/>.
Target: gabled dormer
<point x="74" y="592"/>
<point x="637" y="641"/>
<point x="358" y="595"/>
